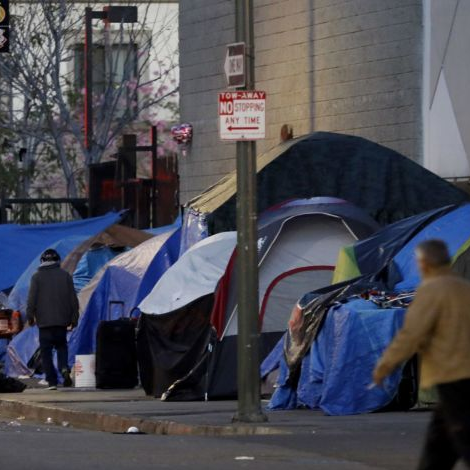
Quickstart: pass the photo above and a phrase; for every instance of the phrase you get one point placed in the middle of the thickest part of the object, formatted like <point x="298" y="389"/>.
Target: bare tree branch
<point x="47" y="102"/>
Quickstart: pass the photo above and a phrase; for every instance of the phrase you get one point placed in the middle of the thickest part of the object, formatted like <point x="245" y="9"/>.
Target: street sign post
<point x="237" y="110"/>
<point x="242" y="115"/>
<point x="234" y="66"/>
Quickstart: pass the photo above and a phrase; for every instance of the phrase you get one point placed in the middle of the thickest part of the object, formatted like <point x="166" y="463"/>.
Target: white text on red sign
<point x="242" y="115"/>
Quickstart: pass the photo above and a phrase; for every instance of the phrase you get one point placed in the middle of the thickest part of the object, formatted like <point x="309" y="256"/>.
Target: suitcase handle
<point x="113" y="303"/>
<point x="134" y="313"/>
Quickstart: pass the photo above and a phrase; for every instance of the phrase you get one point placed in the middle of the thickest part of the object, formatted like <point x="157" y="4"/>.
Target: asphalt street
<point x="386" y="441"/>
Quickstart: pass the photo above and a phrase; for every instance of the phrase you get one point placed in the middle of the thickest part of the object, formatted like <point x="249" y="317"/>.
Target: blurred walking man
<point x="437" y="326"/>
<point x="53" y="306"/>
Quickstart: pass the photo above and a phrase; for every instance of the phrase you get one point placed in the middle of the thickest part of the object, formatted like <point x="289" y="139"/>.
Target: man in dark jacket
<point x="53" y="306"/>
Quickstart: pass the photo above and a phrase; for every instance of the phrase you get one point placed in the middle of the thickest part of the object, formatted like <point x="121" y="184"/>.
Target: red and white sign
<point x="242" y="115"/>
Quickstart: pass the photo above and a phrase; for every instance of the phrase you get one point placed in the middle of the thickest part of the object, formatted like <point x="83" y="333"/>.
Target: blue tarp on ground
<point x="127" y="278"/>
<point x="21" y="244"/>
<point x="338" y="369"/>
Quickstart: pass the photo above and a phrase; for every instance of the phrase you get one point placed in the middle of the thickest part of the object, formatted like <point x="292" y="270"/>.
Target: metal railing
<point x="42" y="210"/>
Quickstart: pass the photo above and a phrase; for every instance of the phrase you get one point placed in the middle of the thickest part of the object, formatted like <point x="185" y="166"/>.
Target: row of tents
<point x="319" y="196"/>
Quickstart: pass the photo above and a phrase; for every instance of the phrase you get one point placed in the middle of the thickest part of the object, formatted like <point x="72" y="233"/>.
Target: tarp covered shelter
<point x="193" y="276"/>
<point x="90" y="264"/>
<point x="375" y="178"/>
<point x="21" y="244"/>
<point x="128" y="278"/>
<point x="119" y="236"/>
<point x="453" y="228"/>
<point x="76" y="249"/>
<point x="298" y="244"/>
<point x="374" y="255"/>
<point x="336" y="369"/>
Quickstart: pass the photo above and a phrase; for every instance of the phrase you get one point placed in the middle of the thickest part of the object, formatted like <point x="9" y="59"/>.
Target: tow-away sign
<point x="242" y="115"/>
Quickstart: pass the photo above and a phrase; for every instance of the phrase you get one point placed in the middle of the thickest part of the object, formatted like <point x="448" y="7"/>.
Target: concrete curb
<point x="118" y="424"/>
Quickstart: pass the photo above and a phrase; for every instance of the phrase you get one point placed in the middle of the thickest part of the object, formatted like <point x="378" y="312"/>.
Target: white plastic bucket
<point x="85" y="371"/>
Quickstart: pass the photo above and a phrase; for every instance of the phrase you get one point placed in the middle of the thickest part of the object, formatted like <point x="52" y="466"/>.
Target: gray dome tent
<point x="298" y="245"/>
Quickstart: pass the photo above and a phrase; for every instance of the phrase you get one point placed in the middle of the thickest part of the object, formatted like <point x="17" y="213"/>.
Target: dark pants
<point x="50" y="338"/>
<point x="448" y="436"/>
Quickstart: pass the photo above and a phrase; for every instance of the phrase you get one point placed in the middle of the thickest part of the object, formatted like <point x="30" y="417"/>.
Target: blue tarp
<point x="20" y="351"/>
<point x="128" y="278"/>
<point x="165" y="228"/>
<point x="19" y="295"/>
<point x="21" y="244"/>
<point x="453" y="228"/>
<point x="354" y="334"/>
<point x="338" y="369"/>
<point x="376" y="252"/>
<point x="90" y="263"/>
<point x="194" y="229"/>
<point x="95" y="259"/>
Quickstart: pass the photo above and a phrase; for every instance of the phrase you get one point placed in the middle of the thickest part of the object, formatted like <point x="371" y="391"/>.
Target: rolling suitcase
<point x="116" y="356"/>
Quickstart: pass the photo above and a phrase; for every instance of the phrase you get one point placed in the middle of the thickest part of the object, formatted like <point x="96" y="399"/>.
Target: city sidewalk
<point x="117" y="410"/>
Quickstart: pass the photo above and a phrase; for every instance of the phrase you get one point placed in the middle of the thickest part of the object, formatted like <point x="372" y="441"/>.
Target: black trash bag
<point x="11" y="385"/>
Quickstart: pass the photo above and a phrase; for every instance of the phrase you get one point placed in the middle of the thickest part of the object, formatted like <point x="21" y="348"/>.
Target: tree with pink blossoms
<point x="135" y="72"/>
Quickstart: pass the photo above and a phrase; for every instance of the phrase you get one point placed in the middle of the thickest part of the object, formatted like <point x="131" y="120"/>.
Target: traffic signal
<point x="4" y="26"/>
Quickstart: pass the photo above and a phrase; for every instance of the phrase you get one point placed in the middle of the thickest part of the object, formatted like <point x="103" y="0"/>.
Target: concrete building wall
<point x="446" y="104"/>
<point x="206" y="27"/>
<point x="351" y="66"/>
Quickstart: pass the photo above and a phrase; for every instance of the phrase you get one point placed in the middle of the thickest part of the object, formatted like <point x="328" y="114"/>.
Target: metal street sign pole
<point x="154" y="145"/>
<point x="88" y="78"/>
<point x="248" y="366"/>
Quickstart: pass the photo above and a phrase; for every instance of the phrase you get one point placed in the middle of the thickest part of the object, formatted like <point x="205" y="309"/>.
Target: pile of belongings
<point x="336" y="335"/>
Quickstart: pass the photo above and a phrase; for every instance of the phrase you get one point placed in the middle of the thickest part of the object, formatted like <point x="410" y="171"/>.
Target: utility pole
<point x="154" y="145"/>
<point x="111" y="14"/>
<point x="248" y="367"/>
<point x="88" y="62"/>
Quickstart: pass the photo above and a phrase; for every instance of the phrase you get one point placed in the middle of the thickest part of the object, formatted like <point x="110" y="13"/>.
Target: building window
<point x="107" y="71"/>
